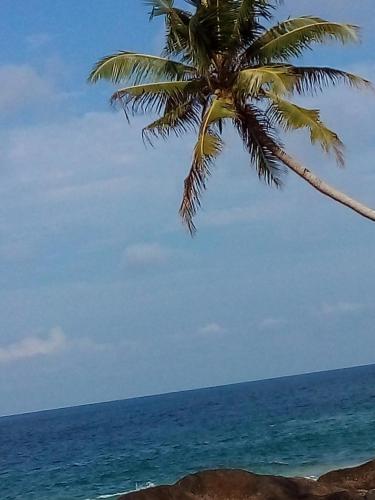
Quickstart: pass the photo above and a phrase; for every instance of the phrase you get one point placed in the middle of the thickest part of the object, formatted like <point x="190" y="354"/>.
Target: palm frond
<point x="130" y="66"/>
<point x="226" y="16"/>
<point x="291" y="37"/>
<point x="151" y="97"/>
<point x="260" y="141"/>
<point x="177" y="27"/>
<point x="211" y="32"/>
<point x="177" y="36"/>
<point x="249" y="15"/>
<point x="167" y="88"/>
<point x="202" y="43"/>
<point x="251" y="81"/>
<point x="209" y="145"/>
<point x="254" y="9"/>
<point x="293" y="117"/>
<point x="179" y="118"/>
<point x="220" y="109"/>
<point x="159" y="7"/>
<point x="314" y="79"/>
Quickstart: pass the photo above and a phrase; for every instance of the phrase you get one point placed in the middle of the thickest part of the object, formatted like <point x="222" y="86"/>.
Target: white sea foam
<point x="138" y="487"/>
<point x="114" y="495"/>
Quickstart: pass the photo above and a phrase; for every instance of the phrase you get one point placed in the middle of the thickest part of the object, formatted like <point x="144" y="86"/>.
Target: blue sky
<point x="103" y="295"/>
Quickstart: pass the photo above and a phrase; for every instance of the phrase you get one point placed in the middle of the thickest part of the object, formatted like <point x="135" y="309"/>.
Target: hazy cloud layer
<point x="342" y="308"/>
<point x="34" y="346"/>
<point x="38" y="40"/>
<point x="233" y="215"/>
<point x="22" y="87"/>
<point x="211" y="329"/>
<point x="271" y="323"/>
<point x="146" y="254"/>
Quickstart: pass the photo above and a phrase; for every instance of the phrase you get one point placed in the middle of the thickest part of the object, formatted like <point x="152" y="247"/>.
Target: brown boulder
<point x="359" y="478"/>
<point x="239" y="484"/>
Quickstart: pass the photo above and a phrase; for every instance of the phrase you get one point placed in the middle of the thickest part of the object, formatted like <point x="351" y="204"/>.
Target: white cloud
<point x="81" y="157"/>
<point x="87" y="344"/>
<point x="341" y="308"/>
<point x="22" y="86"/>
<point x="69" y="154"/>
<point x="91" y="189"/>
<point x="34" y="346"/>
<point x="271" y="323"/>
<point x="38" y="40"/>
<point x="84" y="172"/>
<point x="146" y="254"/>
<point x="55" y="342"/>
<point x="227" y="216"/>
<point x="211" y="329"/>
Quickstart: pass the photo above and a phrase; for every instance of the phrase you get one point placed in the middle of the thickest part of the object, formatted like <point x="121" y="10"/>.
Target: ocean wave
<point x="138" y="487"/>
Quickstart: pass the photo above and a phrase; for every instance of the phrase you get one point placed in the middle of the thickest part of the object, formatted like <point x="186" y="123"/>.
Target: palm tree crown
<point x="222" y="63"/>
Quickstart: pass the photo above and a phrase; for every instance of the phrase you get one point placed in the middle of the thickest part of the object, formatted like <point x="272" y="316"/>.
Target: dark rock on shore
<point x="359" y="478"/>
<point x="357" y="483"/>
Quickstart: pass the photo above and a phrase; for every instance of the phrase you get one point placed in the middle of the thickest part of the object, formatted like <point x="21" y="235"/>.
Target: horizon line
<point x="145" y="396"/>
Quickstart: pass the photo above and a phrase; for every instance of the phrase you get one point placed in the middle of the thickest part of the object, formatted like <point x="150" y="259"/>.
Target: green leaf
<point x="177" y="35"/>
<point x="247" y="25"/>
<point x="130" y="66"/>
<point x="291" y="37"/>
<point x="177" y="118"/>
<point x="251" y="81"/>
<point x="211" y="32"/>
<point x="202" y="34"/>
<point x="177" y="27"/>
<point x="209" y="145"/>
<point x="293" y="117"/>
<point x="220" y="109"/>
<point x="312" y="79"/>
<point x="152" y="88"/>
<point x="260" y="141"/>
<point x="151" y="97"/>
<point x="160" y="7"/>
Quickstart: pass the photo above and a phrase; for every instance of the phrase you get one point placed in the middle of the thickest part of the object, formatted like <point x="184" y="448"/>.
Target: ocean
<point x="301" y="425"/>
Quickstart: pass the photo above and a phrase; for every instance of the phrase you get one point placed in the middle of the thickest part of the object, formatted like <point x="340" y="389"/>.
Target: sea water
<point x="302" y="425"/>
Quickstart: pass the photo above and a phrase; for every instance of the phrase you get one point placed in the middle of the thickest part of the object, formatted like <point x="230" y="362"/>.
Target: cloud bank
<point x="146" y="254"/>
<point x="34" y="346"/>
<point x="22" y="86"/>
<point x="211" y="329"/>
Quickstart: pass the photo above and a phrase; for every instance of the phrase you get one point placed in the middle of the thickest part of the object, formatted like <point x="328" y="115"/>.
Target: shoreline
<point x="312" y="477"/>
<point x="349" y="483"/>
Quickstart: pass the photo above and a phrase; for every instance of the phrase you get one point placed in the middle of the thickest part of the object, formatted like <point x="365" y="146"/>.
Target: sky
<point x="103" y="293"/>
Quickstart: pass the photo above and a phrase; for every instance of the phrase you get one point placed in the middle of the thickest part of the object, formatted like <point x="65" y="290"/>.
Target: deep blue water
<point x="301" y="425"/>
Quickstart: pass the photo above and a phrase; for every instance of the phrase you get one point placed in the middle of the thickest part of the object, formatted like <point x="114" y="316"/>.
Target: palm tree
<point x="221" y="64"/>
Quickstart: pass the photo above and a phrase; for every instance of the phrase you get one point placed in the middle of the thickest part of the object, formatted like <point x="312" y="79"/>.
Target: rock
<point x="359" y="478"/>
<point x="239" y="484"/>
<point x="370" y="495"/>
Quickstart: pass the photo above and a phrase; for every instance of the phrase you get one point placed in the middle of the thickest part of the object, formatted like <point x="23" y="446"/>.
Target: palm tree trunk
<point x="322" y="186"/>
